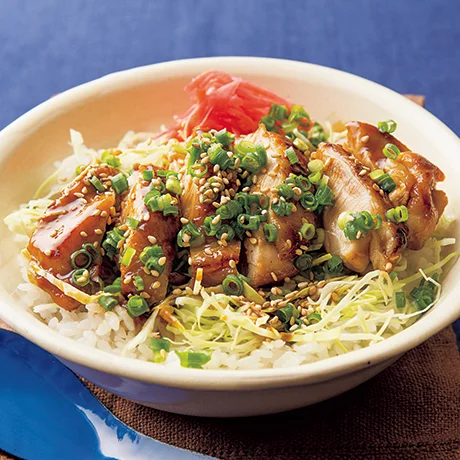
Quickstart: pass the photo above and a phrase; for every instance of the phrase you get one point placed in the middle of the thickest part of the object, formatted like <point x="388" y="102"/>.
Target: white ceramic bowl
<point x="141" y="99"/>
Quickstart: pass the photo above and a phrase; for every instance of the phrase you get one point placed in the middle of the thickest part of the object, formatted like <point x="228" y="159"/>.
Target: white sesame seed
<point x="162" y="261"/>
<point x="232" y="263"/>
<point x="184" y="220"/>
<point x="275" y="278"/>
<point x="365" y="139"/>
<point x="47" y="252"/>
<point x="156" y="285"/>
<point x="98" y="231"/>
<point x="152" y="239"/>
<point x="83" y="234"/>
<point x="208" y="251"/>
<point x="104" y="214"/>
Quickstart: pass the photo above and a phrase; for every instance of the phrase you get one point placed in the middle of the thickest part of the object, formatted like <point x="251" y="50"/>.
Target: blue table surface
<point x="411" y="46"/>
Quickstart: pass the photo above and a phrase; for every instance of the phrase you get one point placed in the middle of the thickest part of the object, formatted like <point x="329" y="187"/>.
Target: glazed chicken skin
<point x="152" y="229"/>
<point x="79" y="216"/>
<point x="266" y="259"/>
<point x="213" y="256"/>
<point x="355" y="193"/>
<point x="415" y="178"/>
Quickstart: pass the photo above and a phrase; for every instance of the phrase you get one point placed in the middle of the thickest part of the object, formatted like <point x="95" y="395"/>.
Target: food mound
<point x="246" y="235"/>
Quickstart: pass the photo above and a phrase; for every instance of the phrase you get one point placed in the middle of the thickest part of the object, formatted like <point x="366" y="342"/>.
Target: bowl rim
<point x="70" y="350"/>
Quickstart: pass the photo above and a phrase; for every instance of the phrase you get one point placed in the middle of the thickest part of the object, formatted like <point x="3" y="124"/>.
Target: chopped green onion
<point x="398" y="214"/>
<point x="173" y="185"/>
<point x="282" y="208"/>
<point x="262" y="154"/>
<point x="286" y="313"/>
<point x="308" y="201"/>
<point x="170" y="211"/>
<point x="291" y="156"/>
<point x="224" y="137"/>
<point x="307" y="231"/>
<point x="151" y="251"/>
<point x="150" y="199"/>
<point x="386" y="183"/>
<point x="166" y="173"/>
<point x="81" y="259"/>
<point x="218" y="156"/>
<point x="316" y="135"/>
<point x="97" y="184"/>
<point x="334" y="266"/>
<point x="89" y="247"/>
<point x="132" y="222"/>
<point x="315" y="178"/>
<point x="156" y="202"/>
<point x="343" y="219"/>
<point x="80" y="277"/>
<point x="193" y="360"/>
<point x="148" y="174"/>
<point x="139" y="283"/>
<point x="424" y="294"/>
<point x="247" y="222"/>
<point x="324" y="195"/>
<point x="270" y="233"/>
<point x="196" y="237"/>
<point x="107" y="302"/>
<point x="230" y="210"/>
<point x="157" y="345"/>
<point x="315" y="166"/>
<point x="251" y="162"/>
<point x="110" y="159"/>
<point x="300" y="144"/>
<point x="303" y="183"/>
<point x="313" y="318"/>
<point x="360" y="223"/>
<point x="226" y="229"/>
<point x="120" y="183"/>
<point x="232" y="285"/>
<point x="111" y="241"/>
<point x="374" y="175"/>
<point x="388" y="126"/>
<point x="150" y="257"/>
<point x="298" y="113"/>
<point x="115" y="287"/>
<point x="199" y="170"/>
<point x="285" y="191"/>
<point x="400" y="298"/>
<point x="391" y="151"/>
<point x="209" y="227"/>
<point x="269" y="123"/>
<point x="137" y="306"/>
<point x="303" y="262"/>
<point x="128" y="256"/>
<point x="278" y="112"/>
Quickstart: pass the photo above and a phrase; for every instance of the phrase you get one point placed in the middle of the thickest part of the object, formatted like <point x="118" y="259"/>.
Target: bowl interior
<point x="143" y="99"/>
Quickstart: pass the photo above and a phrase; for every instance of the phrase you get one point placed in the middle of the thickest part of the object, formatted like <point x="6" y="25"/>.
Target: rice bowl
<point x="98" y="324"/>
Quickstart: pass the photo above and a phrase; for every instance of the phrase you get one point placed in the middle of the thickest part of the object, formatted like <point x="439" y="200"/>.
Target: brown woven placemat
<point x="409" y="411"/>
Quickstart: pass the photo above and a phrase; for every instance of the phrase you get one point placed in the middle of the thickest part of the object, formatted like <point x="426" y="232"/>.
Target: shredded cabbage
<point x="365" y="314"/>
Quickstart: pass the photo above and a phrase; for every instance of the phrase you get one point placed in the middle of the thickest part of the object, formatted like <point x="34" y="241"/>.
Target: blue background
<point x="47" y="46"/>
